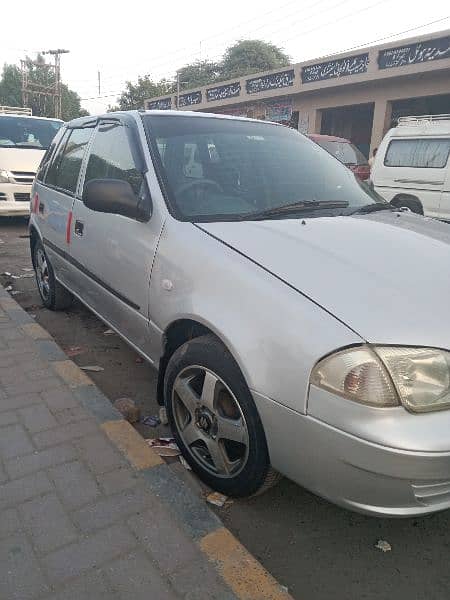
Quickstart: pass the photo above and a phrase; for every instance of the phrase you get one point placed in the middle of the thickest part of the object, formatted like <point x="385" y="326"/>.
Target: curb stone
<point x="239" y="570"/>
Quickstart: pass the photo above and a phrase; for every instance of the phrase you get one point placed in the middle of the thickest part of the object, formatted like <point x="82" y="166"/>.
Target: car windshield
<point x="344" y="151"/>
<point x="26" y="132"/>
<point x="230" y="169"/>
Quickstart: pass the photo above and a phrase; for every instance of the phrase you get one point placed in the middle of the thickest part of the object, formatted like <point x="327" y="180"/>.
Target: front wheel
<point x="52" y="293"/>
<point x="214" y="419"/>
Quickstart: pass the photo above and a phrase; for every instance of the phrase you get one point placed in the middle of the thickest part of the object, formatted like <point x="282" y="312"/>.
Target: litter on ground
<point x="151" y="420"/>
<point x="163" y="416"/>
<point x="383" y="545"/>
<point x="109" y="332"/>
<point x="164" y="446"/>
<point x="75" y="351"/>
<point x="9" y="288"/>
<point x="185" y="463"/>
<point x="217" y="499"/>
<point x="128" y="409"/>
<point x="93" y="368"/>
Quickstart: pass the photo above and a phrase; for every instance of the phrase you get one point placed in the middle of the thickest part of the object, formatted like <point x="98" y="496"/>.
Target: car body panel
<point x="372" y="283"/>
<point x="253" y="313"/>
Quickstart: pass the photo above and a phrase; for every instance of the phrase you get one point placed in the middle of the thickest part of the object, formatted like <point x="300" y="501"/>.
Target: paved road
<point x="317" y="550"/>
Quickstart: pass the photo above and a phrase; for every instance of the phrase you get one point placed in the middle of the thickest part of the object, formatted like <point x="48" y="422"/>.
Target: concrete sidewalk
<point x="87" y="509"/>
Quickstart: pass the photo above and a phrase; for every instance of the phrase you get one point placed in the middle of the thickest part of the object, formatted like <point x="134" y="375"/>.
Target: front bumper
<point x="14" y="199"/>
<point x="351" y="471"/>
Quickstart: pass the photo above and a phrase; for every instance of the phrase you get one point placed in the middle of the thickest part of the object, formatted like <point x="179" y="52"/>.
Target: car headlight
<point x="6" y="176"/>
<point x="418" y="378"/>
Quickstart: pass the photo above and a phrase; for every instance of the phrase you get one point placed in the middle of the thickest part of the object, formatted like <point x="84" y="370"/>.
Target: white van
<point x="412" y="166"/>
<point x="23" y="142"/>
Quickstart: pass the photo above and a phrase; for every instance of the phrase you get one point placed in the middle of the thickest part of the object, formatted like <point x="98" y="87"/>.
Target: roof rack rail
<point x="421" y="118"/>
<point x="15" y="110"/>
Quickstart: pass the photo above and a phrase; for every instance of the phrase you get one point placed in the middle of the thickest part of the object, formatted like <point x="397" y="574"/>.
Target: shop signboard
<point x="412" y="54"/>
<point x="222" y="92"/>
<point x="274" y="81"/>
<point x="279" y="111"/>
<point x="162" y="104"/>
<point x="352" y="65"/>
<point x="190" y="99"/>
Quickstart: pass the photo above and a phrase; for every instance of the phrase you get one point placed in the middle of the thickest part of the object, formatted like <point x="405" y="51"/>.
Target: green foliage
<point x="42" y="106"/>
<point x="251" y="56"/>
<point x="243" y="58"/>
<point x="198" y="73"/>
<point x="11" y="86"/>
<point x="132" y="98"/>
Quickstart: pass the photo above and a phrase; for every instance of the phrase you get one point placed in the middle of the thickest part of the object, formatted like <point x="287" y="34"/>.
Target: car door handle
<point x="41" y="208"/>
<point x="79" y="228"/>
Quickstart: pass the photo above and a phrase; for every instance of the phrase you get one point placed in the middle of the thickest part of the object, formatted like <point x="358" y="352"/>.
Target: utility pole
<point x="57" y="88"/>
<point x="99" y="88"/>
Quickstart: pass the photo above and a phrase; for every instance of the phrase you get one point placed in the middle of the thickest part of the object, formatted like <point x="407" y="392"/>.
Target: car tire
<point x="53" y="295"/>
<point x="406" y="201"/>
<point x="206" y="399"/>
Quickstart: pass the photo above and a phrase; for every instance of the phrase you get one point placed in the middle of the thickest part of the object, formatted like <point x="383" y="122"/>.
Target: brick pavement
<point x="87" y="510"/>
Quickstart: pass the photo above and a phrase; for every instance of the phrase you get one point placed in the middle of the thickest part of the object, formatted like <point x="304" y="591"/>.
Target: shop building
<point x="358" y="94"/>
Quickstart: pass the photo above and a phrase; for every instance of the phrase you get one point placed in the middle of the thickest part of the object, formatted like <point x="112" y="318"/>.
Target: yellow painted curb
<point x="36" y="331"/>
<point x="71" y="374"/>
<point x="243" y="573"/>
<point x="135" y="448"/>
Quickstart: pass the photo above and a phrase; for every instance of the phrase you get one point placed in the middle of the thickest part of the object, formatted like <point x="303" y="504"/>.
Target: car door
<point x="114" y="254"/>
<point x="54" y="191"/>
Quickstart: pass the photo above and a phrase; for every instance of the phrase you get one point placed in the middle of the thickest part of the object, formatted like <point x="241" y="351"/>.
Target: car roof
<point x="82" y="121"/>
<point x="317" y="137"/>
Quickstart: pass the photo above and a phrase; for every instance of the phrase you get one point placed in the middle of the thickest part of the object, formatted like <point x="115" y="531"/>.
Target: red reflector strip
<point x="68" y="227"/>
<point x="35" y="203"/>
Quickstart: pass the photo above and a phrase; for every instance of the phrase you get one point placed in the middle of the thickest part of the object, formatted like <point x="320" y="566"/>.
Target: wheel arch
<point x="409" y="200"/>
<point x="34" y="237"/>
<point x="179" y="332"/>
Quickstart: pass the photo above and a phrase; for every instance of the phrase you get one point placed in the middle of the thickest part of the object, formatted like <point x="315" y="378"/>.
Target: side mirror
<point x="115" y="196"/>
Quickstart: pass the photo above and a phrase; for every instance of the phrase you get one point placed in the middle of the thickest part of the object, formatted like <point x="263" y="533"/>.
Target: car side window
<point x="111" y="157"/>
<point x="65" y="168"/>
<point x="418" y="153"/>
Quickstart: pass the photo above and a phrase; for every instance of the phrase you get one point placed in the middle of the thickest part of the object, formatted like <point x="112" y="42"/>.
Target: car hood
<point x="385" y="275"/>
<point x="20" y="159"/>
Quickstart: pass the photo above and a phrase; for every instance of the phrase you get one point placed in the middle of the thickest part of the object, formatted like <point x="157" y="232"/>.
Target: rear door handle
<point x="79" y="228"/>
<point x="41" y="208"/>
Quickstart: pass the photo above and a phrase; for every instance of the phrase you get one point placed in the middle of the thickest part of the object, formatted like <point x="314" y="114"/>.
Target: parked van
<point x="412" y="166"/>
<point x="23" y="142"/>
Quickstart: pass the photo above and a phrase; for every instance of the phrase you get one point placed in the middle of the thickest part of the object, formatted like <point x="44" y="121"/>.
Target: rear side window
<point x="418" y="153"/>
<point x="65" y="168"/>
<point x="111" y="157"/>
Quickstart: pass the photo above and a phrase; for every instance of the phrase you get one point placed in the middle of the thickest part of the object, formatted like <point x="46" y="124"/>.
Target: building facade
<point x="357" y="95"/>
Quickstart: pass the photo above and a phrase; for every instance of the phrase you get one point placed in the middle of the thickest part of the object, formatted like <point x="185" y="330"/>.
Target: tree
<point x="42" y="106"/>
<point x="11" y="86"/>
<point x="133" y="96"/>
<point x="251" y="56"/>
<point x="198" y="73"/>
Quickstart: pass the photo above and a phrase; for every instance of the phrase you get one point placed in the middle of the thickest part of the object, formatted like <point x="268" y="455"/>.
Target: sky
<point x="157" y="38"/>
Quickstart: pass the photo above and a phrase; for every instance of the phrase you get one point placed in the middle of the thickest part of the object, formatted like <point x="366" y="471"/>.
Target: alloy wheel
<point x="210" y="421"/>
<point x="42" y="274"/>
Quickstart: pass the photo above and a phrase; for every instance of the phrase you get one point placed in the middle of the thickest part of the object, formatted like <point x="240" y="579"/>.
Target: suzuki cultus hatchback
<point x="263" y="286"/>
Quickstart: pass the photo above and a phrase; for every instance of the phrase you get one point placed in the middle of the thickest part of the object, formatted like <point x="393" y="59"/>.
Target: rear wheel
<point x="53" y="294"/>
<point x="214" y="419"/>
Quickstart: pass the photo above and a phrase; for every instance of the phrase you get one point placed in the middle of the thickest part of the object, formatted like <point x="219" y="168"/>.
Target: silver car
<point x="297" y="320"/>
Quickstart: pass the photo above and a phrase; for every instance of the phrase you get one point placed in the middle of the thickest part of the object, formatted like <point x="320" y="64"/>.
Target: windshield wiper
<point x="371" y="208"/>
<point x="294" y="207"/>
